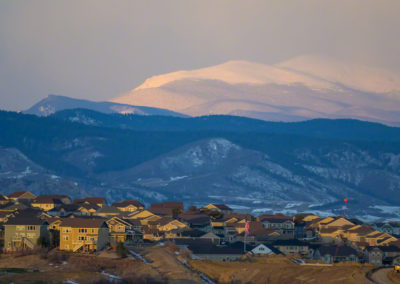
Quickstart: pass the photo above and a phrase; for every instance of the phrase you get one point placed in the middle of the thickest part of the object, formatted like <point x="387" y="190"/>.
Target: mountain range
<point x="249" y="164"/>
<point x="54" y="103"/>
<point x="298" y="89"/>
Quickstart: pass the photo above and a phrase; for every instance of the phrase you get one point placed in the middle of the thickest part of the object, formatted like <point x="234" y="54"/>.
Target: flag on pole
<point x="247" y="228"/>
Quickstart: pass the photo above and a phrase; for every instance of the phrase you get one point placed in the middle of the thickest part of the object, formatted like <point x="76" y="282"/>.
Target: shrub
<point x="122" y="251"/>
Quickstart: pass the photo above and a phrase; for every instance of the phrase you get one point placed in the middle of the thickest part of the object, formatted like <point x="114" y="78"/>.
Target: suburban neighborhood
<point x="213" y="232"/>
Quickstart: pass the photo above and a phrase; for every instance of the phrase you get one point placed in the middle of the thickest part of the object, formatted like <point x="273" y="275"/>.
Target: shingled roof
<point x="125" y="203"/>
<point x="83" y="222"/>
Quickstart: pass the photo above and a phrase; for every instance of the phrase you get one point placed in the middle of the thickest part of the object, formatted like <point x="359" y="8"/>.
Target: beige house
<point x="86" y="234"/>
<point x="17" y="195"/>
<point x="118" y="230"/>
<point x="128" y="205"/>
<point x="219" y="207"/>
<point x="23" y="232"/>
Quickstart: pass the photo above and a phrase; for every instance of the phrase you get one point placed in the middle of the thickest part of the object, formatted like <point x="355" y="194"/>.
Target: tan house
<point x="166" y="224"/>
<point x="118" y="230"/>
<point x="145" y="216"/>
<point x="128" y="205"/>
<point x="94" y="201"/>
<point x="338" y="222"/>
<point x="3" y="199"/>
<point x="4" y="215"/>
<point x="86" y="234"/>
<point x="23" y="231"/>
<point x="219" y="208"/>
<point x="21" y="195"/>
<point x="48" y="202"/>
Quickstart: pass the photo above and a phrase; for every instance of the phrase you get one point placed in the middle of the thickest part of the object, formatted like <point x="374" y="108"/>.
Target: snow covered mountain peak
<point x="302" y="88"/>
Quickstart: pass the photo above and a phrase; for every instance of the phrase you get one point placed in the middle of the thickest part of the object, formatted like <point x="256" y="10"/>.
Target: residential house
<point x="21" y="195"/>
<point x="282" y="224"/>
<point x="94" y="201"/>
<point x="265" y="249"/>
<point x="392" y="228"/>
<point x="336" y="253"/>
<point x="144" y="216"/>
<point x="168" y="209"/>
<point x="65" y="210"/>
<point x="219" y="208"/>
<point x="108" y="211"/>
<point x="197" y="220"/>
<point x="4" y="215"/>
<point x="257" y="233"/>
<point x="335" y="222"/>
<point x="118" y="230"/>
<point x="23" y="231"/>
<point x="166" y="224"/>
<point x="4" y="199"/>
<point x="383" y="255"/>
<point x="128" y="205"/>
<point x="48" y="202"/>
<point x="292" y="247"/>
<point x="16" y="205"/>
<point x="86" y="234"/>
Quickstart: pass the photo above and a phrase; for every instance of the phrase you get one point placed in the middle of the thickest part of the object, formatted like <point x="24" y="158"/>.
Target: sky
<point x="98" y="50"/>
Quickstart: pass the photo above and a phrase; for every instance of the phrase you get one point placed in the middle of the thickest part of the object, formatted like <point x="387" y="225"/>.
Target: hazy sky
<point x="99" y="49"/>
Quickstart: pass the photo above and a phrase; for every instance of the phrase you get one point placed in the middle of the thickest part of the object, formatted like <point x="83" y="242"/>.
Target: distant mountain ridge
<point x="299" y="89"/>
<point x="53" y="103"/>
<point x="318" y="128"/>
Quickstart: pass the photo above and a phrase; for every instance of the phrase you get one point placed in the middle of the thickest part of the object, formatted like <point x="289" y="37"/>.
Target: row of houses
<point x="211" y="232"/>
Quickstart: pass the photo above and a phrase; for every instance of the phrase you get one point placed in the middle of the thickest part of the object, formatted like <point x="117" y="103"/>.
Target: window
<point x="31" y="228"/>
<point x="82" y="238"/>
<point x="67" y="246"/>
<point x="82" y="230"/>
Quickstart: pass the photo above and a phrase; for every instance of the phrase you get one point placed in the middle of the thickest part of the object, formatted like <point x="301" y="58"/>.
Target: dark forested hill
<point x="236" y="160"/>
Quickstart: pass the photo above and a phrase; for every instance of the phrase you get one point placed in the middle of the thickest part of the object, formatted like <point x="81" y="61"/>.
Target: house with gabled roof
<point x="336" y="253"/>
<point x="21" y="195"/>
<point x="166" y="224"/>
<point x="118" y="230"/>
<point x="4" y="215"/>
<point x="94" y="201"/>
<point x="48" y="202"/>
<point x="128" y="205"/>
<point x="292" y="247"/>
<point x="265" y="249"/>
<point x="383" y="255"/>
<point x="219" y="207"/>
<point x="23" y="231"/>
<point x="108" y="211"/>
<point x="280" y="223"/>
<point x="83" y="234"/>
<point x="4" y="199"/>
<point x="197" y="220"/>
<point x="144" y="216"/>
<point x="335" y="222"/>
<point x="14" y="206"/>
<point x="391" y="227"/>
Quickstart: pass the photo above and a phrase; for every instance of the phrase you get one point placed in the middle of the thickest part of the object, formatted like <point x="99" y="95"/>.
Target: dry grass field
<point x="394" y="276"/>
<point x="165" y="267"/>
<point x="165" y="262"/>
<point x="57" y="268"/>
<point x="281" y="270"/>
